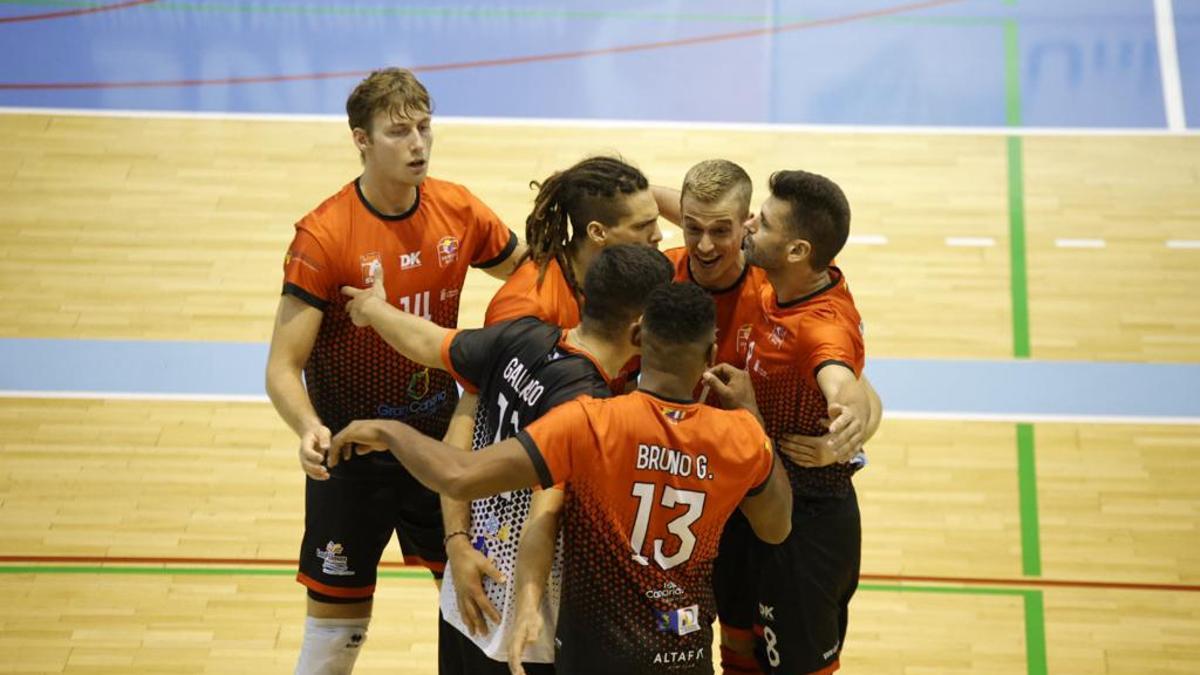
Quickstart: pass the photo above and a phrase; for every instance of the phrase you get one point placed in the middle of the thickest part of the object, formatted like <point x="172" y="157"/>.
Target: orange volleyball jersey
<point x="521" y="295"/>
<point x="424" y="253"/>
<point x="650" y="483"/>
<point x="789" y="344"/>
<point x="737" y="306"/>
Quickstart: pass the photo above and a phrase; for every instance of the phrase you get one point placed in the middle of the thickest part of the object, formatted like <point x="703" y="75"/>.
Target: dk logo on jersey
<point x="680" y="621"/>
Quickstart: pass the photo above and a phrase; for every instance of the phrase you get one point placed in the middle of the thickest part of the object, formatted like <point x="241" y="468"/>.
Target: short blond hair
<point x="714" y="179"/>
<point x="395" y="90"/>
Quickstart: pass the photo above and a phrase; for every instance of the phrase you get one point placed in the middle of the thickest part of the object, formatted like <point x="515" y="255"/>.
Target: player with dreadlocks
<point x="598" y="202"/>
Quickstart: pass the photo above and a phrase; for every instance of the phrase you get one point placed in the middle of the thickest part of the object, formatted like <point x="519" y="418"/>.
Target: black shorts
<point x="458" y="655"/>
<point x="348" y="523"/>
<point x="733" y="574"/>
<point x="805" y="586"/>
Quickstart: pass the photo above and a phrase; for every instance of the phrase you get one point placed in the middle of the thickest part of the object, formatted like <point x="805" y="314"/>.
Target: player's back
<point x="650" y="483"/>
<point x="520" y="369"/>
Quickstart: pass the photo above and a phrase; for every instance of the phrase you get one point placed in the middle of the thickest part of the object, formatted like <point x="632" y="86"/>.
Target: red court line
<point x="275" y="562"/>
<point x="490" y="63"/>
<point x="75" y="12"/>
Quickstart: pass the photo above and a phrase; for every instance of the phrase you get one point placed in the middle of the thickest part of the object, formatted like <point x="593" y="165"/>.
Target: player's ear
<point x="635" y="333"/>
<point x="597" y="232"/>
<point x="712" y="355"/>
<point x="799" y="250"/>
<point x="361" y="138"/>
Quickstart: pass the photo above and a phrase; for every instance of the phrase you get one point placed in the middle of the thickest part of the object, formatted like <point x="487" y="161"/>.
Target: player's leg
<point x="732" y="575"/>
<point x="344" y="536"/>
<point x="418" y="524"/>
<point x="805" y="587"/>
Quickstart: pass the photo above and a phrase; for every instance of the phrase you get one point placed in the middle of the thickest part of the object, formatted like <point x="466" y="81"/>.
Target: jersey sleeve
<point x="765" y="457"/>
<point x="308" y="272"/>
<point x="829" y="345"/>
<point x="495" y="242"/>
<point x="468" y="355"/>
<point x="554" y="442"/>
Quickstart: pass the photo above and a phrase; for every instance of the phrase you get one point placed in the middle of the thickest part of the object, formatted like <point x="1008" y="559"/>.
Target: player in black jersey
<point x="519" y="370"/>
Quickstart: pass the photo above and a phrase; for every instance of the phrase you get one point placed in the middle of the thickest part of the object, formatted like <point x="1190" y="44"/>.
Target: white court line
<point x="868" y="239"/>
<point x="935" y="415"/>
<point x="954" y="415"/>
<point x="631" y="124"/>
<point x="1183" y="243"/>
<point x="1168" y="64"/>
<point x="1080" y="243"/>
<point x="136" y="396"/>
<point x="970" y="242"/>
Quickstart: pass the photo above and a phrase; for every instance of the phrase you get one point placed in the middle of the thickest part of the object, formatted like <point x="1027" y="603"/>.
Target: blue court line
<point x="1010" y="389"/>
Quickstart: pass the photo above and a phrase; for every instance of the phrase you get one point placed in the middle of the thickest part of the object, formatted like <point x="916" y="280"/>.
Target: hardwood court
<point x="174" y="229"/>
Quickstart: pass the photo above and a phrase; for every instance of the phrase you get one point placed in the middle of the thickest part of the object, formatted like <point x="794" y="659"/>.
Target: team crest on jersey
<point x="680" y="621"/>
<point x="778" y="335"/>
<point x="743" y="338"/>
<point x="418" y="384"/>
<point x="334" y="563"/>
<point x="674" y="414"/>
<point x="369" y="262"/>
<point x="447" y="250"/>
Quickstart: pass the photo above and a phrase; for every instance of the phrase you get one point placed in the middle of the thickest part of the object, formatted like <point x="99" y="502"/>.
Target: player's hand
<point x="526" y="628"/>
<point x="363" y="300"/>
<point x="847" y="431"/>
<point x="314" y="444"/>
<point x="360" y="437"/>
<point x="732" y="386"/>
<point x="469" y="567"/>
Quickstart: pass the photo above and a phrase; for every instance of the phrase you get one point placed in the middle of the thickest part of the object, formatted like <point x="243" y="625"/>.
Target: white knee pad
<point x="331" y="645"/>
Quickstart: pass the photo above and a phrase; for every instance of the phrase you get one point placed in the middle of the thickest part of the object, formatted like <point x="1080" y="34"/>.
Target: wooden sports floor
<point x="158" y="536"/>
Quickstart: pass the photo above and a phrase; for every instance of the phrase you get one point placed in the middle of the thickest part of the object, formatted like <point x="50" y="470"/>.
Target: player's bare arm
<point x="770" y="511"/>
<point x="816" y="451"/>
<point x="506" y="267"/>
<point x="440" y="467"/>
<point x="668" y="200"/>
<point x="468" y="565"/>
<point x="535" y="556"/>
<point x="296" y="326"/>
<point x="849" y="407"/>
<point x="417" y="339"/>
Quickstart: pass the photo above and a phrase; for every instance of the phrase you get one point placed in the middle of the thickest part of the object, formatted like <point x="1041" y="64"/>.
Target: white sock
<point x="331" y="645"/>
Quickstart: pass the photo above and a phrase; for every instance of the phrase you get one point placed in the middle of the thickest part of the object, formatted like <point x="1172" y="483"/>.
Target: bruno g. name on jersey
<point x="671" y="461"/>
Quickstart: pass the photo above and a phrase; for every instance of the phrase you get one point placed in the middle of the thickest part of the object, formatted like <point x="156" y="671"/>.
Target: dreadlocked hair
<point x="571" y="199"/>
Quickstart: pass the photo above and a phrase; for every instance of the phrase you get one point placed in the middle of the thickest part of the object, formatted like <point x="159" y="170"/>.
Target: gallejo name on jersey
<point x="671" y="461"/>
<point x="523" y="382"/>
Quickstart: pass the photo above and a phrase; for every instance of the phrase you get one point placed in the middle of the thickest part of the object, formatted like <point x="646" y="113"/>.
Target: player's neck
<point x="611" y="356"/>
<point x="668" y="383"/>
<point x="581" y="255"/>
<point x="387" y="197"/>
<point x="793" y="282"/>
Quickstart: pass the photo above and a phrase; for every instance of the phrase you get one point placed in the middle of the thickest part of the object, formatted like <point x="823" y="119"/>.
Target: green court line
<point x="493" y="12"/>
<point x="1035" y="634"/>
<point x="1035" y="646"/>
<point x="1031" y="552"/>
<point x="1031" y="548"/>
